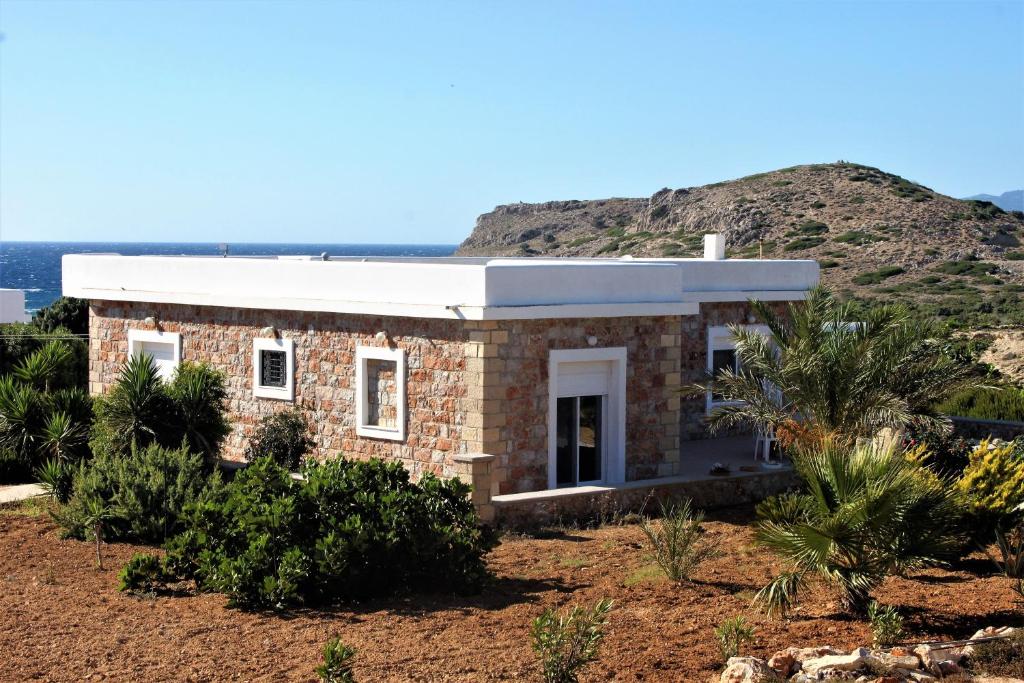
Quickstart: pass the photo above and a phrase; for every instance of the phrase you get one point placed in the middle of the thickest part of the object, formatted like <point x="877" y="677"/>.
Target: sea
<point x="35" y="266"/>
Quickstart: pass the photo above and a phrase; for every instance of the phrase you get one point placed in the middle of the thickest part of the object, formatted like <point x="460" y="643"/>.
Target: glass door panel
<point x="579" y="445"/>
<point x="565" y="445"/>
<point x="590" y="438"/>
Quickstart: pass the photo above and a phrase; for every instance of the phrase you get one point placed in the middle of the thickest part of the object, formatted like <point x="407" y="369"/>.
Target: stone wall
<point x="443" y="413"/>
<point x="515" y="367"/>
<point x="694" y="359"/>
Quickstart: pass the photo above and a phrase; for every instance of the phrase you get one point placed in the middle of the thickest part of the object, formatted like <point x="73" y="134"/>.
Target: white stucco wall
<point x="12" y="306"/>
<point x="474" y="289"/>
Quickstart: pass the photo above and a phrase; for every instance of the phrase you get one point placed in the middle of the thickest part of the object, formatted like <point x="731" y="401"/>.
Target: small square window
<point x="273" y="369"/>
<point x="163" y="347"/>
<point x="380" y="393"/>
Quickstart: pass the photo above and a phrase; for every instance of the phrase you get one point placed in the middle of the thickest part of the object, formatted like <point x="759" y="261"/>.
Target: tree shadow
<point x="496" y="595"/>
<point x="958" y="626"/>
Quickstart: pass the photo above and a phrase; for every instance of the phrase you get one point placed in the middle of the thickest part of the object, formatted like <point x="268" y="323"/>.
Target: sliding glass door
<point x="580" y="440"/>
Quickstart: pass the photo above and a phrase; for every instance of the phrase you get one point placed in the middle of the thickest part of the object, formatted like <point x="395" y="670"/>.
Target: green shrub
<point x="732" y="635"/>
<point x="872" y="277"/>
<point x="818" y="205"/>
<point x="966" y="267"/>
<point x="143" y="574"/>
<point x="148" y="489"/>
<point x="18" y="341"/>
<point x="886" y="624"/>
<point x="56" y="477"/>
<point x="350" y="530"/>
<point x="284" y="437"/>
<point x="859" y="237"/>
<point x="803" y="243"/>
<point x="66" y="314"/>
<point x="1005" y="403"/>
<point x="566" y="643"/>
<point x="1014" y="256"/>
<point x="677" y="541"/>
<point x="993" y="487"/>
<point x="812" y="228"/>
<point x="337" y="666"/>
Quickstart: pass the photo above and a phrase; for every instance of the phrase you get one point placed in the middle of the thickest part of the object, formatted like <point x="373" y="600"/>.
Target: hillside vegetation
<point x="876" y="235"/>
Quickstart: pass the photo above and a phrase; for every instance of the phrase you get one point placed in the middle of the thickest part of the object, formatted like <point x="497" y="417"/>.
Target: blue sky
<point x="401" y="122"/>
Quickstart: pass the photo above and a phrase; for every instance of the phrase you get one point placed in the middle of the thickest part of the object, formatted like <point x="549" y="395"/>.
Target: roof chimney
<point x="714" y="246"/>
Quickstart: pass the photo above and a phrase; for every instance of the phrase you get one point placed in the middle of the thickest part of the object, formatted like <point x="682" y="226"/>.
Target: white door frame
<point x="614" y="461"/>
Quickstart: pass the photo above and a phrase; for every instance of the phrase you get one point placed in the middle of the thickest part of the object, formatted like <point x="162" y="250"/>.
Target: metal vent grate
<point x="272" y="368"/>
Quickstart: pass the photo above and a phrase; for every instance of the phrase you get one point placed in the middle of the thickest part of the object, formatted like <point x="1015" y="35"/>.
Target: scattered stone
<point x="748" y="670"/>
<point x="851" y="662"/>
<point x="783" y="663"/>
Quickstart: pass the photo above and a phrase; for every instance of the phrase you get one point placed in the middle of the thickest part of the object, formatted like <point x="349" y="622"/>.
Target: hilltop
<point x="875" y="234"/>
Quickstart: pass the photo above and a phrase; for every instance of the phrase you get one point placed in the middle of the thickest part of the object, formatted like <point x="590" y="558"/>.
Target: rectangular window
<point x="163" y="347"/>
<point x="722" y="356"/>
<point x="380" y="393"/>
<point x="273" y="369"/>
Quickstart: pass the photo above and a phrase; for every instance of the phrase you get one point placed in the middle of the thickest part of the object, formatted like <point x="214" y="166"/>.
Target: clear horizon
<point x="400" y="123"/>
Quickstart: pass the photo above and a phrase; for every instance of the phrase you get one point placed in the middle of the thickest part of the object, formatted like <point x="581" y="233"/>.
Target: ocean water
<point x="35" y="266"/>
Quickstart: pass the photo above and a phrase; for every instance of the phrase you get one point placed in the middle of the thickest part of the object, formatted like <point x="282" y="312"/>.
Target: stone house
<point x="530" y="377"/>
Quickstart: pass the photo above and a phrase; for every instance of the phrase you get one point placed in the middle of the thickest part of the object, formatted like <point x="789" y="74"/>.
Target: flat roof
<point x="472" y="288"/>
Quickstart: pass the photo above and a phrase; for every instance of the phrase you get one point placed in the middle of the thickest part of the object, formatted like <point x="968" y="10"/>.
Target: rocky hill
<point x="876" y="235"/>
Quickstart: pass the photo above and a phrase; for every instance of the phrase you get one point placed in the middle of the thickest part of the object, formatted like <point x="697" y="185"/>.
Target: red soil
<point x="61" y="619"/>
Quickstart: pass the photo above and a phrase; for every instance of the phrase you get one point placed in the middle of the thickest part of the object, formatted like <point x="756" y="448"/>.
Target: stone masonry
<point x="473" y="387"/>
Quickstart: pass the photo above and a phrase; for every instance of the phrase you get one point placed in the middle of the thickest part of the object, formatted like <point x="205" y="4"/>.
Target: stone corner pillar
<point x="475" y="470"/>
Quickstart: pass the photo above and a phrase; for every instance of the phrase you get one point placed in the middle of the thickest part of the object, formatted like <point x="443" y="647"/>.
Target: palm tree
<point x="868" y="513"/>
<point x="828" y="369"/>
<point x="41" y="369"/>
<point x="137" y="409"/>
<point x="198" y="393"/>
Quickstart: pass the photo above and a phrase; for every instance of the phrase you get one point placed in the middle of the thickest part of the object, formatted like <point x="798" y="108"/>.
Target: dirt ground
<point x="61" y="619"/>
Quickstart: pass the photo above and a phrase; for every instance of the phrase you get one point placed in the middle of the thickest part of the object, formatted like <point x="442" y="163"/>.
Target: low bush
<point x="148" y="489"/>
<point x="677" y="540"/>
<point x="966" y="267"/>
<point x="872" y="277"/>
<point x="349" y="530"/>
<point x="803" y="243"/>
<point x="1005" y="403"/>
<point x="337" y="666"/>
<point x="142" y="574"/>
<point x="1010" y="561"/>
<point x="886" y="624"/>
<point x="733" y="634"/>
<point x="283" y="437"/>
<point x="566" y="643"/>
<point x="992" y="486"/>
<point x="945" y="453"/>
<point x="1002" y="657"/>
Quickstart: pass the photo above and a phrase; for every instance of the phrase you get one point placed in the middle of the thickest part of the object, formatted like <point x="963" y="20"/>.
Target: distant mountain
<point x="1007" y="201"/>
<point x="875" y="234"/>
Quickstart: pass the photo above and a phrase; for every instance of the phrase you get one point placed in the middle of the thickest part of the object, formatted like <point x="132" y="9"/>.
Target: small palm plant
<point x="829" y="370"/>
<point x="867" y="513"/>
<point x="40" y="369"/>
<point x="733" y="634"/>
<point x="678" y="541"/>
<point x="566" y="643"/>
<point x="337" y="666"/>
<point x="97" y="513"/>
<point x="137" y="409"/>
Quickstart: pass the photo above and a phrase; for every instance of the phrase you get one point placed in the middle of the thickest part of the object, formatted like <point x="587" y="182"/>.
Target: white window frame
<point x="363" y="354"/>
<point x="720" y="339"/>
<point x="285" y="393"/>
<point x="137" y="338"/>
<point x="613" y="466"/>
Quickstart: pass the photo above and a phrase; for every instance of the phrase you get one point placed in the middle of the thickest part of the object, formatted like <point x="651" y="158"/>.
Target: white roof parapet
<point x="467" y="288"/>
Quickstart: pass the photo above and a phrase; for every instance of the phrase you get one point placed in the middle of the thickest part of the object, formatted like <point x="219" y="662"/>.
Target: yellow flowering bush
<point x="993" y="481"/>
